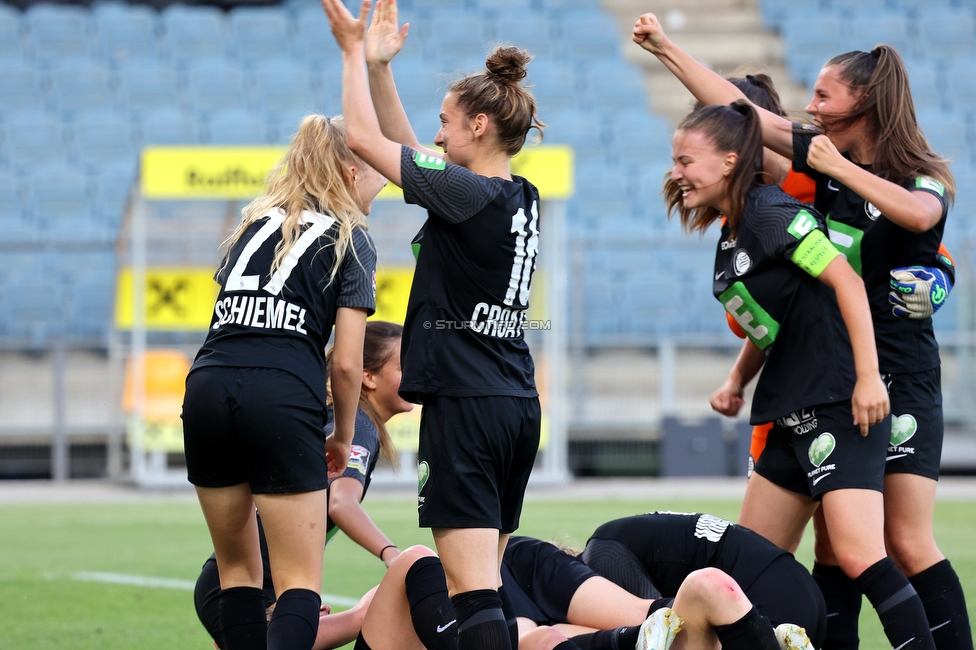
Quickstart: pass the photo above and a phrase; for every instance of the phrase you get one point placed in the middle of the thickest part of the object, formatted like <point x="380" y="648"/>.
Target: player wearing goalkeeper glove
<point x="887" y="196"/>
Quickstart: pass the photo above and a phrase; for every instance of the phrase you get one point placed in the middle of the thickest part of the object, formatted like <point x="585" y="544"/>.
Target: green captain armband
<point x="814" y="253"/>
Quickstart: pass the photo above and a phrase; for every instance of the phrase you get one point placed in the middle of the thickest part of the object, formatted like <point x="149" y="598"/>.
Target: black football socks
<point x="243" y="621"/>
<point x="843" y="600"/>
<point x="621" y="638"/>
<point x="751" y="632"/>
<point x="295" y="621"/>
<point x="431" y="610"/>
<point x="945" y="606"/>
<point x="511" y="619"/>
<point x="480" y="621"/>
<point x="898" y="606"/>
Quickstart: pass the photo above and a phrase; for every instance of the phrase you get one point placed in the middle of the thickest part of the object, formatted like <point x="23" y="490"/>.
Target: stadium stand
<point x="84" y="88"/>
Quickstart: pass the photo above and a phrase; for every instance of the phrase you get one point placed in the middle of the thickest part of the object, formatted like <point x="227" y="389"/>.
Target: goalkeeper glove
<point x="917" y="292"/>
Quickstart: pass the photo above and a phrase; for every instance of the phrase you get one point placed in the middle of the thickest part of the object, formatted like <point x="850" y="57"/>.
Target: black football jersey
<point x="463" y="333"/>
<point x="362" y="458"/>
<point x="766" y="277"/>
<point x="284" y="322"/>
<point x="671" y="545"/>
<point x="874" y="246"/>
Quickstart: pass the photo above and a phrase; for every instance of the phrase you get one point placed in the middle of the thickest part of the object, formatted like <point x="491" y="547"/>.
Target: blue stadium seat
<point x="421" y="87"/>
<point x="167" y="126"/>
<point x="10" y="31"/>
<point x="125" y="32"/>
<point x="928" y="90"/>
<point x="238" y="126"/>
<point x="214" y="84"/>
<point x="147" y="85"/>
<point x="858" y="7"/>
<point x="113" y="185"/>
<point x="961" y="85"/>
<point x="776" y="12"/>
<point x="22" y="87"/>
<point x="531" y="32"/>
<point x="57" y="32"/>
<point x="458" y="37"/>
<point x="104" y="137"/>
<point x="58" y="192"/>
<point x="610" y="85"/>
<point x="33" y="138"/>
<point x="555" y="85"/>
<point x="35" y="310"/>
<point x="258" y="33"/>
<point x="281" y="84"/>
<point x="587" y="36"/>
<point x="945" y="34"/>
<point x="865" y="30"/>
<point x="313" y="41"/>
<point x="948" y="134"/>
<point x="579" y="128"/>
<point x="810" y="40"/>
<point x="91" y="310"/>
<point x="193" y="32"/>
<point x="81" y="85"/>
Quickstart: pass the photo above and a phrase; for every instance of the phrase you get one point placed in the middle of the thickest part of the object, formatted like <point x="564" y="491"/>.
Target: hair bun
<point x="508" y="63"/>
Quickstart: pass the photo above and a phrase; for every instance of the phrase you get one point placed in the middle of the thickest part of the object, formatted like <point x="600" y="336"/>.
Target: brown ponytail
<point x="880" y="78"/>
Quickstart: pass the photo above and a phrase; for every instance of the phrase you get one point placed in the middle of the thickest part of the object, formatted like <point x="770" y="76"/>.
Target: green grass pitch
<point x="44" y="548"/>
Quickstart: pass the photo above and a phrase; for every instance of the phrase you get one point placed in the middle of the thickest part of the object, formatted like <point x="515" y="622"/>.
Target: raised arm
<point x="383" y="42"/>
<point x="362" y="127"/>
<point x="914" y="211"/>
<point x="870" y="400"/>
<point x="707" y="86"/>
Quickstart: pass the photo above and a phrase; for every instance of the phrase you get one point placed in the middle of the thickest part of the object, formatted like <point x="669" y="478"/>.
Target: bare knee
<point x="912" y="551"/>
<point x="714" y="587"/>
<point x="541" y="638"/>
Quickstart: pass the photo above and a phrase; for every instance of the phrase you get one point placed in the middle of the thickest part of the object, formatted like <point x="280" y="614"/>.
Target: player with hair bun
<point x="887" y="195"/>
<point x="299" y="262"/>
<point x="464" y="354"/>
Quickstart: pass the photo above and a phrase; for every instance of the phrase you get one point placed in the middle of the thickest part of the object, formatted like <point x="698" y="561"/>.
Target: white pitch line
<point x="171" y="583"/>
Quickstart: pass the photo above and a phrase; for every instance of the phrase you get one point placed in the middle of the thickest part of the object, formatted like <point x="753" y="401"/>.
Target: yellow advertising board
<point x="177" y="298"/>
<point x="182" y="298"/>
<point x="234" y="173"/>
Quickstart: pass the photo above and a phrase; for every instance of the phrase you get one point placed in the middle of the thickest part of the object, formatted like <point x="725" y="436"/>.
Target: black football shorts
<point x="260" y="426"/>
<point x="915" y="445"/>
<point x="819" y="449"/>
<point x="474" y="460"/>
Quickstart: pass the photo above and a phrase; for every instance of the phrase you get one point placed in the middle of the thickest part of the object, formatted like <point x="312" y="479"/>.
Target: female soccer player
<point x="772" y="252"/>
<point x="378" y="402"/>
<point x="566" y="606"/>
<point x="464" y="354"/>
<point x="887" y="195"/>
<point x="254" y="412"/>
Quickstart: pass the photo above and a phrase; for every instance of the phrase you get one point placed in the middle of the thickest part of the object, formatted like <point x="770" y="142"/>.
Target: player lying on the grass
<point x="378" y="402"/>
<point x="652" y="554"/>
<point x="411" y="609"/>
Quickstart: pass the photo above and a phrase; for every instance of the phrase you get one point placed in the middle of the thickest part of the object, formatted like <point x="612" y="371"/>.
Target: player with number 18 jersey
<point x="464" y="338"/>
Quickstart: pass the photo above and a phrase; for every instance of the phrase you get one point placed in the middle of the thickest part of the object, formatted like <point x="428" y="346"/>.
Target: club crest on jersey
<point x="428" y="162"/>
<point x="872" y="212"/>
<point x="742" y="261"/>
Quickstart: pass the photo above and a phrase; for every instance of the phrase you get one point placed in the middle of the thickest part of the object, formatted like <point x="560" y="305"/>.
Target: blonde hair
<point x="313" y="175"/>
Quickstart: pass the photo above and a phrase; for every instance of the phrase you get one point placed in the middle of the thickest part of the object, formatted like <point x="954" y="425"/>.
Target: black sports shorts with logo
<point x="474" y="460"/>
<point x="917" y="427"/>
<point x="818" y="450"/>
<point x="260" y="426"/>
<point x="541" y="580"/>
